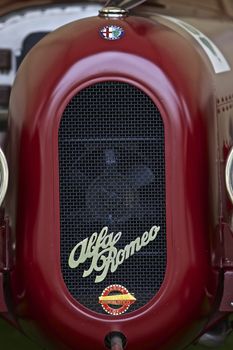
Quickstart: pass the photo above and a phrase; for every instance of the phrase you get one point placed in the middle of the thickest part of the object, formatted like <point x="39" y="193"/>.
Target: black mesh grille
<point x="112" y="173"/>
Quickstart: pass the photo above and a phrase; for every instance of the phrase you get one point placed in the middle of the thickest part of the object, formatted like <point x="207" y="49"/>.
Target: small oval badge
<point x="112" y="32"/>
<point x="116" y="299"/>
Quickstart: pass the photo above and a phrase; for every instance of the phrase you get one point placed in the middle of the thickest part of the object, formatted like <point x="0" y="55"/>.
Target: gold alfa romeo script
<point x="105" y="257"/>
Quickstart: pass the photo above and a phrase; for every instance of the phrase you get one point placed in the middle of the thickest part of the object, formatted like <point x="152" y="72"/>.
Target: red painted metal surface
<point x="3" y="306"/>
<point x="177" y="75"/>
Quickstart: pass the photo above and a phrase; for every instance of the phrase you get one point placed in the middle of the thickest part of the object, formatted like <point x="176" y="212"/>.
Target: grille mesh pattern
<point x="111" y="160"/>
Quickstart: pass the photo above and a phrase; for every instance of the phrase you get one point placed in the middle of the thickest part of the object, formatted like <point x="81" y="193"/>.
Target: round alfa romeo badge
<point x="112" y="32"/>
<point x="116" y="300"/>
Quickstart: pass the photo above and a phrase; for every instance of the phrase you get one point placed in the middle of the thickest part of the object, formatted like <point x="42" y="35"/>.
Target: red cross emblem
<point x="106" y="32"/>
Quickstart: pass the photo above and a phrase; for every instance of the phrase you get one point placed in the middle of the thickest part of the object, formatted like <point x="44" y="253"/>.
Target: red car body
<point x="163" y="60"/>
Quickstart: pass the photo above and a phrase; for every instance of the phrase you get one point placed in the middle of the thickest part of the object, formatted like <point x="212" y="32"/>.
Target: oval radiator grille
<point x="112" y="174"/>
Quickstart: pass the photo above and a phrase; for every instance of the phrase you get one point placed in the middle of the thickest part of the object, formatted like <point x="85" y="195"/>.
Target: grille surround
<point x="101" y="146"/>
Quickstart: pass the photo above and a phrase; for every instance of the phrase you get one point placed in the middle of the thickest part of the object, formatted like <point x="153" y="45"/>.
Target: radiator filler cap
<point x="113" y="12"/>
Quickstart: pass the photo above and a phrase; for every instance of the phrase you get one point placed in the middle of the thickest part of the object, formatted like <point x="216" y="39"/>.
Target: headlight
<point x="4" y="174"/>
<point x="229" y="175"/>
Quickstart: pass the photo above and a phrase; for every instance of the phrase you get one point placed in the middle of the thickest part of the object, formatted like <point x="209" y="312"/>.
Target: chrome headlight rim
<point x="229" y="175"/>
<point x="4" y="176"/>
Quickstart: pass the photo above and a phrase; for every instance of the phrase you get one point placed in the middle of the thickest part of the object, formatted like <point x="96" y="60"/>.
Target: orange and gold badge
<point x="116" y="299"/>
